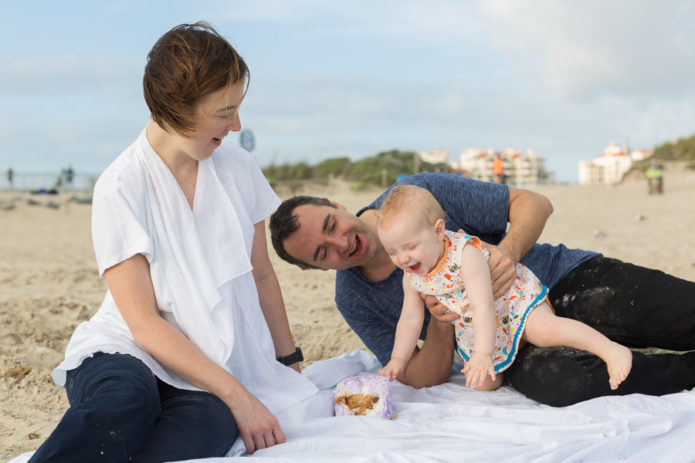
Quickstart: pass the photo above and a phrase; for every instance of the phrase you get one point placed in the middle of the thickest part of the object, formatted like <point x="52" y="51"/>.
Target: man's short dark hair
<point x="284" y="222"/>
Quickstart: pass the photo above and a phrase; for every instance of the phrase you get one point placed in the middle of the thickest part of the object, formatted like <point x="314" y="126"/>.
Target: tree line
<point x="382" y="168"/>
<point x="681" y="150"/>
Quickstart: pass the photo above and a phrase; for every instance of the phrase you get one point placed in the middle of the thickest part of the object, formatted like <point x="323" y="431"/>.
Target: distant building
<point x="610" y="166"/>
<point x="520" y="169"/>
<point x="435" y="157"/>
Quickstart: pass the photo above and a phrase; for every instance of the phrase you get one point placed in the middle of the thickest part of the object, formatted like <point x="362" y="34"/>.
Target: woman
<point x="180" y="359"/>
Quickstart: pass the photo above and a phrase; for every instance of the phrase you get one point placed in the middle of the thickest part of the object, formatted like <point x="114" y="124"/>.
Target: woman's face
<point x="214" y="116"/>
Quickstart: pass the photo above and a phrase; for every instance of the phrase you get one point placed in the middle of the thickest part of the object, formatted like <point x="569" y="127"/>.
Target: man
<point x="632" y="305"/>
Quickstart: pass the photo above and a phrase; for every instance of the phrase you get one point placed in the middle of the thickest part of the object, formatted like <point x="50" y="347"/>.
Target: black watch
<point x="294" y="357"/>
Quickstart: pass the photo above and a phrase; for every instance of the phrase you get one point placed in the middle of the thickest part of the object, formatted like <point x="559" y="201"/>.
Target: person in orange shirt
<point x="498" y="169"/>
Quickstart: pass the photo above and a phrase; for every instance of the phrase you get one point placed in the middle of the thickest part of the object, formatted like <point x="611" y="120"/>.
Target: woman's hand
<point x="477" y="368"/>
<point x="439" y="311"/>
<point x="258" y="427"/>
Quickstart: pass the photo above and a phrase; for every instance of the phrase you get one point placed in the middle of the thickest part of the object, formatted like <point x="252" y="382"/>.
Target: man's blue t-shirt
<point x="372" y="308"/>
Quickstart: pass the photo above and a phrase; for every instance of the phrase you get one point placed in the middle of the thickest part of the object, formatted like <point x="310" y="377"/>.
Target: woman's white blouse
<point x="199" y="264"/>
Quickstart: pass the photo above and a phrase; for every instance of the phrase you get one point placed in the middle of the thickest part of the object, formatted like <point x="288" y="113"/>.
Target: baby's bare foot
<point x="619" y="361"/>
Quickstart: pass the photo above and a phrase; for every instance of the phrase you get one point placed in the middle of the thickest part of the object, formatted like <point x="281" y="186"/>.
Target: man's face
<point x="330" y="238"/>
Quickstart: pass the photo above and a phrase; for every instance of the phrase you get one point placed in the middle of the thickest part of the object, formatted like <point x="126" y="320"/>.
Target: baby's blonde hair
<point x="412" y="199"/>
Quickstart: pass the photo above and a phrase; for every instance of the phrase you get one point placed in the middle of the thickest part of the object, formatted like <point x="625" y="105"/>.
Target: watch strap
<point x="294" y="357"/>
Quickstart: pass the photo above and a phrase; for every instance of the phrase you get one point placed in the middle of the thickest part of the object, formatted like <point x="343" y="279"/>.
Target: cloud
<point x="592" y="47"/>
<point x="106" y="76"/>
<point x="438" y="21"/>
<point x="312" y="119"/>
<point x="79" y="110"/>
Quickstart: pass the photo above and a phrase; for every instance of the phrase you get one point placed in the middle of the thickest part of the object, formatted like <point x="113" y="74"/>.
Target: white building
<point x="520" y="169"/>
<point x="435" y="157"/>
<point x="610" y="166"/>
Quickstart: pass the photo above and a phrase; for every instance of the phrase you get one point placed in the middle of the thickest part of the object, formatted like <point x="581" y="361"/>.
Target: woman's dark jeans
<point x="632" y="305"/>
<point x="119" y="412"/>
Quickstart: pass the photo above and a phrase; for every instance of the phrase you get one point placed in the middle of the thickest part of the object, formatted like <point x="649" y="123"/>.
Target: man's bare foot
<point x="619" y="363"/>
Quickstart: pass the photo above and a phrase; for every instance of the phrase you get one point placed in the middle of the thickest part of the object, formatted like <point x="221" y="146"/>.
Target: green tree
<point x="682" y="150"/>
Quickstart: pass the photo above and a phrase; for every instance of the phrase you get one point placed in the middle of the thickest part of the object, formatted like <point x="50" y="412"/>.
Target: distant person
<point x="69" y="175"/>
<point x="453" y="267"/>
<point x="191" y="347"/>
<point x="10" y="178"/>
<point x="655" y="178"/>
<point x="498" y="169"/>
<point x="635" y="306"/>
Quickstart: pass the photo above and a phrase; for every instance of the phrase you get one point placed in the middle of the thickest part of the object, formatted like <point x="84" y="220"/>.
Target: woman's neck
<point x="183" y="167"/>
<point x="167" y="147"/>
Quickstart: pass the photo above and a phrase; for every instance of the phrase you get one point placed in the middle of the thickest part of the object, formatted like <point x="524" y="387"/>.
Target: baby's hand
<point x="392" y="368"/>
<point x="477" y="368"/>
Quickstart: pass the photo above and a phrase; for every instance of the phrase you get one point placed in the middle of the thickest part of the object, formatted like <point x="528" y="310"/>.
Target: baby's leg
<point x="544" y="329"/>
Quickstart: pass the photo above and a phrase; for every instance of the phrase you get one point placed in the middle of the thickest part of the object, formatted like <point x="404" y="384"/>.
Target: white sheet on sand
<point x="453" y="423"/>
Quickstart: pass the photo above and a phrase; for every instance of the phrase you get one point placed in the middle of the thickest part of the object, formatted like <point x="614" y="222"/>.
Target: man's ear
<point x="439" y="228"/>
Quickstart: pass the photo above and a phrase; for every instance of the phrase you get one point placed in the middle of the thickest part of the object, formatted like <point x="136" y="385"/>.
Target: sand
<point x="49" y="281"/>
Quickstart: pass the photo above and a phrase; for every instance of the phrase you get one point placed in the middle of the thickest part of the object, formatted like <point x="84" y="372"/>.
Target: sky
<point x="354" y="78"/>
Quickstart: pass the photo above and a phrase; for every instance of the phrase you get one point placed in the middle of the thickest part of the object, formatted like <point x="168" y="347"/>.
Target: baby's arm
<point x="476" y="280"/>
<point x="407" y="331"/>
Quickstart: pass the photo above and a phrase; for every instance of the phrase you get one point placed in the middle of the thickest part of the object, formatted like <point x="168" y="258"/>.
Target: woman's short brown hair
<point x="187" y="63"/>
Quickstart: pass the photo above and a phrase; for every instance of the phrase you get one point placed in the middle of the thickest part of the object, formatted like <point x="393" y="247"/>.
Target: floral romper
<point x="511" y="309"/>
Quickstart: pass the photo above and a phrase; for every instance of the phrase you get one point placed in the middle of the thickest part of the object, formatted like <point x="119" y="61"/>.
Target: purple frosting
<point x="376" y="386"/>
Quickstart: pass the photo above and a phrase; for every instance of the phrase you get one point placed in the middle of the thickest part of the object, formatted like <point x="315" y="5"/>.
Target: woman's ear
<point x="439" y="229"/>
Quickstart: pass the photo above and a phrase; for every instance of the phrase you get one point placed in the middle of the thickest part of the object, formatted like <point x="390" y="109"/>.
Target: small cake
<point x="364" y="396"/>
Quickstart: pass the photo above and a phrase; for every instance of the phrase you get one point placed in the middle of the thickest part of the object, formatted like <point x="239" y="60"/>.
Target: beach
<point x="49" y="281"/>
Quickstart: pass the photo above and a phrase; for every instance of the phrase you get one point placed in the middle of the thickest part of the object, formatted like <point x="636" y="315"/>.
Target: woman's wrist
<point x="292" y="357"/>
<point x="229" y="390"/>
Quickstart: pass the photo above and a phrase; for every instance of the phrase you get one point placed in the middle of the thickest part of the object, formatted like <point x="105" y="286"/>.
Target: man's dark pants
<point x="635" y="306"/>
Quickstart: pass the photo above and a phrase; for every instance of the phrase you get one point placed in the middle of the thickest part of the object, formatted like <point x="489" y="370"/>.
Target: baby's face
<point x="411" y="244"/>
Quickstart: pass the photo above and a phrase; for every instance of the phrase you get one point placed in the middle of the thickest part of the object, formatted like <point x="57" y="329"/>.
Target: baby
<point x="453" y="267"/>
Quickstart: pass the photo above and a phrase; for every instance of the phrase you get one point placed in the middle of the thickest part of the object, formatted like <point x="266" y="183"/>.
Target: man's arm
<point x="528" y="213"/>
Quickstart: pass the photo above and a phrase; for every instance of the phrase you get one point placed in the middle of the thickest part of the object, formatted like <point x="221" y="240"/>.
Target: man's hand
<point x="439" y="311"/>
<point x="502" y="269"/>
